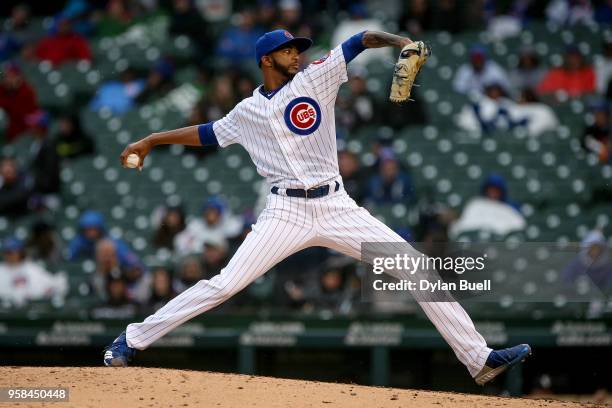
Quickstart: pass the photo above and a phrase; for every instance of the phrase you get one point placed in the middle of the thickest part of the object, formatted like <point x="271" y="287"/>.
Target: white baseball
<point x="132" y="161"/>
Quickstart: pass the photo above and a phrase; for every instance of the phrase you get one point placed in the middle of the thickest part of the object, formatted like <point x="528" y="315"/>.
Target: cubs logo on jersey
<point x="303" y="115"/>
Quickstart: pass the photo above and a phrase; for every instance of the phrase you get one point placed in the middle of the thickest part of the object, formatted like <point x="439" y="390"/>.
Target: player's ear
<point x="266" y="61"/>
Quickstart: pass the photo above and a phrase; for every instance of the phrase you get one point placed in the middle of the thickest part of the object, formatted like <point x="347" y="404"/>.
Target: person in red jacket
<point x="63" y="45"/>
<point x="17" y="99"/>
<point x="575" y="77"/>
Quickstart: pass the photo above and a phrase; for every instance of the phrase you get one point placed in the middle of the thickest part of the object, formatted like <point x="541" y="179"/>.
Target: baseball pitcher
<point x="288" y="128"/>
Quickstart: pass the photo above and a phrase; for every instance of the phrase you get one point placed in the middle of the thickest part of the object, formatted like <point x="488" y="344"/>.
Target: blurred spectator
<point x="115" y="20"/>
<point x="603" y="69"/>
<point x="383" y="141"/>
<point x="18" y="25"/>
<point x="494" y="188"/>
<point x="528" y="73"/>
<point x="390" y="185"/>
<point x="162" y="289"/>
<point x="15" y="188"/>
<point x="91" y="230"/>
<point x="78" y="11"/>
<point x="493" y="211"/>
<point x="22" y="280"/>
<point x="355" y="107"/>
<point x="352" y="175"/>
<point x="218" y="100"/>
<point x="118" y="96"/>
<point x="44" y="161"/>
<point x="215" y="255"/>
<point x="117" y="293"/>
<point x="190" y="273"/>
<point x="540" y="117"/>
<point x="417" y="17"/>
<point x="266" y="14"/>
<point x="421" y="15"/>
<point x="449" y="16"/>
<point x="71" y="140"/>
<point x="216" y="221"/>
<point x="17" y="99"/>
<point x="221" y="98"/>
<point x="495" y="111"/>
<point x="63" y="44"/>
<point x="137" y="279"/>
<point x="596" y="137"/>
<point x="171" y="223"/>
<point x="290" y="18"/>
<point x="159" y="82"/>
<point x="336" y="288"/>
<point x="237" y="43"/>
<point x="593" y="262"/>
<point x="9" y="46"/>
<point x="435" y="238"/>
<point x="244" y="86"/>
<point x="603" y="12"/>
<point x="44" y="243"/>
<point x="473" y="76"/>
<point x="575" y="76"/>
<point x="507" y="19"/>
<point x="107" y="266"/>
<point x="186" y="20"/>
<point x="569" y="12"/>
<point x="358" y="22"/>
<point x="116" y="303"/>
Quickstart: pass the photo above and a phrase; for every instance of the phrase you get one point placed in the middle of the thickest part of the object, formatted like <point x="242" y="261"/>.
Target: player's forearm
<point x="187" y="136"/>
<point x="378" y="39"/>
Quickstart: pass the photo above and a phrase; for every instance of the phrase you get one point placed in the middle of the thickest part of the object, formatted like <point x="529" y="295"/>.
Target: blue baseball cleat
<point x="118" y="353"/>
<point x="500" y="361"/>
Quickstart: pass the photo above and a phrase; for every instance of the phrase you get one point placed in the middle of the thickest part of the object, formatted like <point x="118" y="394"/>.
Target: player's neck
<point x="274" y="81"/>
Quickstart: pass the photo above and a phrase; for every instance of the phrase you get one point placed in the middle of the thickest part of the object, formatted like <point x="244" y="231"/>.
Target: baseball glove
<point x="408" y="65"/>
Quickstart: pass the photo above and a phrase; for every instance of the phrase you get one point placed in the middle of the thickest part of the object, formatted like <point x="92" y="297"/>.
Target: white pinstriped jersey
<point x="291" y="135"/>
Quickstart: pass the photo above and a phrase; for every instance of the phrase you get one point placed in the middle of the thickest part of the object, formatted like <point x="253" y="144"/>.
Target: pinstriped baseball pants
<point x="286" y="226"/>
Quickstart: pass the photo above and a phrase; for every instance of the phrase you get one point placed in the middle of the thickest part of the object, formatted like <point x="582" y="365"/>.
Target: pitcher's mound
<point x="156" y="387"/>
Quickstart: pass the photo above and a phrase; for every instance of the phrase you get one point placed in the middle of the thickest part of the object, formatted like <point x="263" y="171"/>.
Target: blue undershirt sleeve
<point x="207" y="134"/>
<point x="353" y="47"/>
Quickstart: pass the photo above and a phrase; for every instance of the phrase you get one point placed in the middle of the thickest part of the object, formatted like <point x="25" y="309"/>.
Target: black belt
<point x="314" y="192"/>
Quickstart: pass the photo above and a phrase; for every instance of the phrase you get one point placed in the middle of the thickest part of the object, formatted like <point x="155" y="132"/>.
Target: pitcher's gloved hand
<point x="411" y="59"/>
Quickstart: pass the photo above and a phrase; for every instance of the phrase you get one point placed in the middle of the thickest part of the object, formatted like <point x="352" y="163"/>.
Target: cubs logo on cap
<point x="287" y="34"/>
<point x="303" y="116"/>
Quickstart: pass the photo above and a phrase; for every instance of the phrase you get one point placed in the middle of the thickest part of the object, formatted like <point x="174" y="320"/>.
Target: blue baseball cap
<point x="91" y="219"/>
<point x="273" y="40"/>
<point x="214" y="202"/>
<point x="12" y="244"/>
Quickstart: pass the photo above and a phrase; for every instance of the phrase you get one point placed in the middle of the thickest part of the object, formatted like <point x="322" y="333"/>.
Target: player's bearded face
<point x="285" y="61"/>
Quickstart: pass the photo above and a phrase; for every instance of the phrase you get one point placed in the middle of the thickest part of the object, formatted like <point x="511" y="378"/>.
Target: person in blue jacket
<point x="92" y="229"/>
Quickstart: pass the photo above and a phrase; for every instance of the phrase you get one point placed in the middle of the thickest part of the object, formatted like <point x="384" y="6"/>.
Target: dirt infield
<point x="156" y="387"/>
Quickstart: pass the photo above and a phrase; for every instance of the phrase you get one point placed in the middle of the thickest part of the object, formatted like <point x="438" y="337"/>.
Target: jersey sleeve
<point x="222" y="132"/>
<point x="329" y="72"/>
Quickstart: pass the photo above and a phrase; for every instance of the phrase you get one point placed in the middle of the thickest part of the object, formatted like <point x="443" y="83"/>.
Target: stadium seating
<point x="549" y="175"/>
